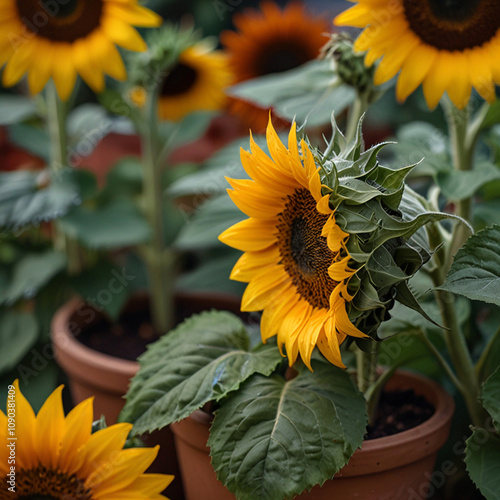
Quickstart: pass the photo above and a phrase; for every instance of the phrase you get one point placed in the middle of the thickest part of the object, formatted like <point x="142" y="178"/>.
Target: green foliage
<point x="384" y="219"/>
<point x="28" y="198"/>
<point x="475" y="272"/>
<point x="18" y="333"/>
<point x="489" y="397"/>
<point x="307" y="94"/>
<point x="483" y="447"/>
<point x="458" y="185"/>
<point x="275" y="438"/>
<point x="114" y="224"/>
<point x="482" y="459"/>
<point x="202" y="360"/>
<point x="30" y="273"/>
<point x="16" y="108"/>
<point x="32" y="139"/>
<point x="204" y="227"/>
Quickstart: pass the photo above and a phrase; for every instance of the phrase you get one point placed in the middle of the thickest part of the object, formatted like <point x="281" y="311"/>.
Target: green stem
<point x="459" y="353"/>
<point x="463" y="139"/>
<point x="440" y="359"/>
<point x="366" y="368"/>
<point x="357" y="110"/>
<point x="462" y="144"/>
<point x="57" y="112"/>
<point x="486" y="353"/>
<point x="160" y="260"/>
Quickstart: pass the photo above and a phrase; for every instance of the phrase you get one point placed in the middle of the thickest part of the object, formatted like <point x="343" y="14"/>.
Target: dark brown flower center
<point x="41" y="483"/>
<point x="304" y="252"/>
<point x="179" y="80"/>
<point x="282" y="56"/>
<point x="453" y="24"/>
<point x="61" y="20"/>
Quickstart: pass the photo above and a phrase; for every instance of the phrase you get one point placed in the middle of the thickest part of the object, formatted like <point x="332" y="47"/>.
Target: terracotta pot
<point x="106" y="377"/>
<point x="396" y="467"/>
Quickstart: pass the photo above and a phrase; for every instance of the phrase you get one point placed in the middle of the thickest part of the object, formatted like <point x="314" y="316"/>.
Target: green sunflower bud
<point x="164" y="48"/>
<point x="349" y="65"/>
<point x="385" y="221"/>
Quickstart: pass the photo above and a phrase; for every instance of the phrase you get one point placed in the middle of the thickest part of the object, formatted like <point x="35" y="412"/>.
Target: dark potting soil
<point x="399" y="411"/>
<point x="129" y="337"/>
<point x="126" y="339"/>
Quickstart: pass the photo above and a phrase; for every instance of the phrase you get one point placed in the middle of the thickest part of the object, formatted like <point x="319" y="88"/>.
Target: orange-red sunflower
<point x="447" y="46"/>
<point x="295" y="260"/>
<point x="59" y="39"/>
<point x="270" y="40"/>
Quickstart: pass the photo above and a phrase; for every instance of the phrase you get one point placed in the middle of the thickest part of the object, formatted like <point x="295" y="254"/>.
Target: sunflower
<point x="57" y="457"/>
<point x="295" y="260"/>
<point x="270" y="40"/>
<point x="195" y="83"/>
<point x="445" y="46"/>
<point x="58" y="39"/>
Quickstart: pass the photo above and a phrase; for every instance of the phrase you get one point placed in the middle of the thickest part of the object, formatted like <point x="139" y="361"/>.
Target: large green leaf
<point x="210" y="180"/>
<point x="26" y="199"/>
<point x="308" y="93"/>
<point x="31" y="273"/>
<point x="475" y="272"/>
<point x="115" y="224"/>
<point x="275" y="438"/>
<point x="212" y="218"/>
<point x="32" y="139"/>
<point x="18" y="333"/>
<point x="458" y="185"/>
<point x="482" y="457"/>
<point x="490" y="397"/>
<point x="203" y="359"/>
<point x="16" y="108"/>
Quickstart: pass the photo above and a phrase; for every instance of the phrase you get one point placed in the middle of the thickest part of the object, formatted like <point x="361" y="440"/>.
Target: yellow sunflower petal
<point x="134" y="14"/>
<point x="481" y="74"/>
<point x="262" y="289"/>
<point x="251" y="263"/>
<point x="311" y="334"/>
<point x="414" y="70"/>
<point x="102" y="446"/>
<point x="49" y="429"/>
<point x="25" y="427"/>
<point x="328" y="343"/>
<point x="275" y="312"/>
<point x="63" y="71"/>
<point x="460" y="87"/>
<point x="250" y="235"/>
<point x="438" y="78"/>
<point x="394" y="59"/>
<point x="123" y="34"/>
<point x="127" y="465"/>
<point x="78" y="431"/>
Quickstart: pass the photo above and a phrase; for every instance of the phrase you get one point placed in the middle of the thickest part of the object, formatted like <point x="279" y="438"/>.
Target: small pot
<point x="389" y="468"/>
<point x="106" y="377"/>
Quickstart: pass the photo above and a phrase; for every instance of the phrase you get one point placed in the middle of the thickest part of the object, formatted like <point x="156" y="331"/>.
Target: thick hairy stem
<point x="159" y="260"/>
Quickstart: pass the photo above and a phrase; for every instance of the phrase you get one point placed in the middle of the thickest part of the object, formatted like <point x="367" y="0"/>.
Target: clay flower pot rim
<point x="430" y="434"/>
<point x="64" y="340"/>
